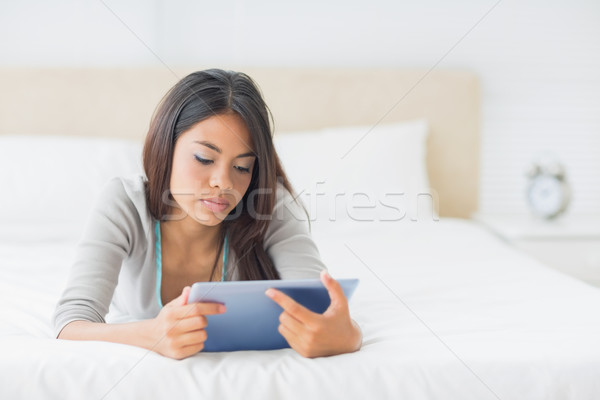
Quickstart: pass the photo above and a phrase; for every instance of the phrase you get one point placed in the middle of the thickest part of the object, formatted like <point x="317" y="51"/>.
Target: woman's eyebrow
<point x="218" y="150"/>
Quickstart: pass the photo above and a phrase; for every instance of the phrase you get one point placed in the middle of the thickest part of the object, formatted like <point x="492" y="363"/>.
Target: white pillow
<point x="56" y="178"/>
<point x="360" y="173"/>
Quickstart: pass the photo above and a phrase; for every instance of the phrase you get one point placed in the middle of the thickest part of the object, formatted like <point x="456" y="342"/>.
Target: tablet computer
<point x="252" y="318"/>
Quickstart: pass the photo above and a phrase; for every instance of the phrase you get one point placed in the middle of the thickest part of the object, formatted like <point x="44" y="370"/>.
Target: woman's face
<point x="212" y="168"/>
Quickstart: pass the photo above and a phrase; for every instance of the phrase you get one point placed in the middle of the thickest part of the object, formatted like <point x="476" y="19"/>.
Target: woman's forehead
<point x="225" y="133"/>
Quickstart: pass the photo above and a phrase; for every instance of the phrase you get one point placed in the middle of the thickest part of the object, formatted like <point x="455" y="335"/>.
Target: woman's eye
<point x="202" y="160"/>
<point x="208" y="162"/>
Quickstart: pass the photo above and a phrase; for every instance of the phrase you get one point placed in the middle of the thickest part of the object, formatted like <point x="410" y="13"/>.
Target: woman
<point x="215" y="205"/>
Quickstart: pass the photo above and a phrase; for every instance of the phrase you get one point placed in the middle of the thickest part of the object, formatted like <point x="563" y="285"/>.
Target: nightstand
<point x="570" y="244"/>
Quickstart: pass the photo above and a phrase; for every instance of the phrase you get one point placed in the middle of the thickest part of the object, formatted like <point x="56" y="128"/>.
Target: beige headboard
<point x="120" y="102"/>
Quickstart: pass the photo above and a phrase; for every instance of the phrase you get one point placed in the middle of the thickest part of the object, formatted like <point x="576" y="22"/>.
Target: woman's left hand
<point x="317" y="335"/>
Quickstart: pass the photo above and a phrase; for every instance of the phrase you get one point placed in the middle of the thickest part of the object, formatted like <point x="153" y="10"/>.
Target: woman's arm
<point x="132" y="333"/>
<point x="107" y="239"/>
<point x="177" y="332"/>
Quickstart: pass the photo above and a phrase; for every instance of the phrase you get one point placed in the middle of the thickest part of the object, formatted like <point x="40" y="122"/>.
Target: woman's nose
<point x="222" y="179"/>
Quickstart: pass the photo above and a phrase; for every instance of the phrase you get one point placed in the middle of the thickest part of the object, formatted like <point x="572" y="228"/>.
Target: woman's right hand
<point x="179" y="327"/>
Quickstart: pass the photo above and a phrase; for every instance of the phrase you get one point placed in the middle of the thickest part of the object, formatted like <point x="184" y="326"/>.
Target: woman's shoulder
<point x="126" y="184"/>
<point x="134" y="186"/>
<point x="120" y="189"/>
<point x="287" y="203"/>
<point x="124" y="197"/>
<point x="290" y="215"/>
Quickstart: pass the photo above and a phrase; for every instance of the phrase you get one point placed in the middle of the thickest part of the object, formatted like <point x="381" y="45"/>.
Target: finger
<point x="290" y="337"/>
<point x="192" y="323"/>
<point x="291" y="323"/>
<point x="336" y="294"/>
<point x="190" y="338"/>
<point x="194" y="348"/>
<point x="185" y="295"/>
<point x="181" y="299"/>
<point x="195" y="309"/>
<point x="288" y="304"/>
<point x="188" y="351"/>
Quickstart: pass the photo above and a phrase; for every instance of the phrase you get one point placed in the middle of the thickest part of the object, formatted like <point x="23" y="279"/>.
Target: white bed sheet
<point x="447" y="310"/>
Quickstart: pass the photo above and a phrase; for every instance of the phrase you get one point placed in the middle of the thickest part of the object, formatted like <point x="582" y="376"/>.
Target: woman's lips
<point x="215" y="204"/>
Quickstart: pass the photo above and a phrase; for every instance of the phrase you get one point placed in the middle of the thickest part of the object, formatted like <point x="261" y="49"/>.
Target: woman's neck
<point x="189" y="236"/>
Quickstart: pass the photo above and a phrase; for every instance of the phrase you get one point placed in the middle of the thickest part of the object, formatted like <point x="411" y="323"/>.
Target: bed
<point x="448" y="311"/>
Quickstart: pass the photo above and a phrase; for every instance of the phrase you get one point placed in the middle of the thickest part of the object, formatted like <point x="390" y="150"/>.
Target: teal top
<point x="159" y="262"/>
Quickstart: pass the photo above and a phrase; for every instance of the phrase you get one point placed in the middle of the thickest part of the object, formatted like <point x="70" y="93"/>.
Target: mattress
<point x="447" y="311"/>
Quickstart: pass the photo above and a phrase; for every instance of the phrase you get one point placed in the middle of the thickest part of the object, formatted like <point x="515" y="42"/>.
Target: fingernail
<point x="222" y="308"/>
<point x="270" y="292"/>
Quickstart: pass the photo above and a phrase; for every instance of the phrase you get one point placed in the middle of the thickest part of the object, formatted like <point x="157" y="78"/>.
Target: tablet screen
<point x="252" y="318"/>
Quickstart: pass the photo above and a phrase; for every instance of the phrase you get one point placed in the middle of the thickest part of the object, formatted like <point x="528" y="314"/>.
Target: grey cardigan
<point x="113" y="276"/>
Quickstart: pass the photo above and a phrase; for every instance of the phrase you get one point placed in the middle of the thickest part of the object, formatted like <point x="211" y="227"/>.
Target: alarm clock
<point x="548" y="193"/>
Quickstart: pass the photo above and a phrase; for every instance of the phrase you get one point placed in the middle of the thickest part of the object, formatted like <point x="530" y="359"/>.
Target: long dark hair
<point x="196" y="97"/>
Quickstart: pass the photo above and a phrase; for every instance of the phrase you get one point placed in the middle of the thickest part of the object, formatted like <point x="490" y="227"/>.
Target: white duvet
<point x="447" y="311"/>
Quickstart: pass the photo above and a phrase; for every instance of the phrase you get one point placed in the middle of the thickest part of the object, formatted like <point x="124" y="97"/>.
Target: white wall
<point x="539" y="61"/>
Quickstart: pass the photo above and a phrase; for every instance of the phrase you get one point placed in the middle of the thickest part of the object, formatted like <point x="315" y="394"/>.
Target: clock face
<point x="547" y="196"/>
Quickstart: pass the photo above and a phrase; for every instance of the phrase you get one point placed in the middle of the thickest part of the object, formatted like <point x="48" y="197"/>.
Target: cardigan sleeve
<point x="288" y="241"/>
<point x="106" y="241"/>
